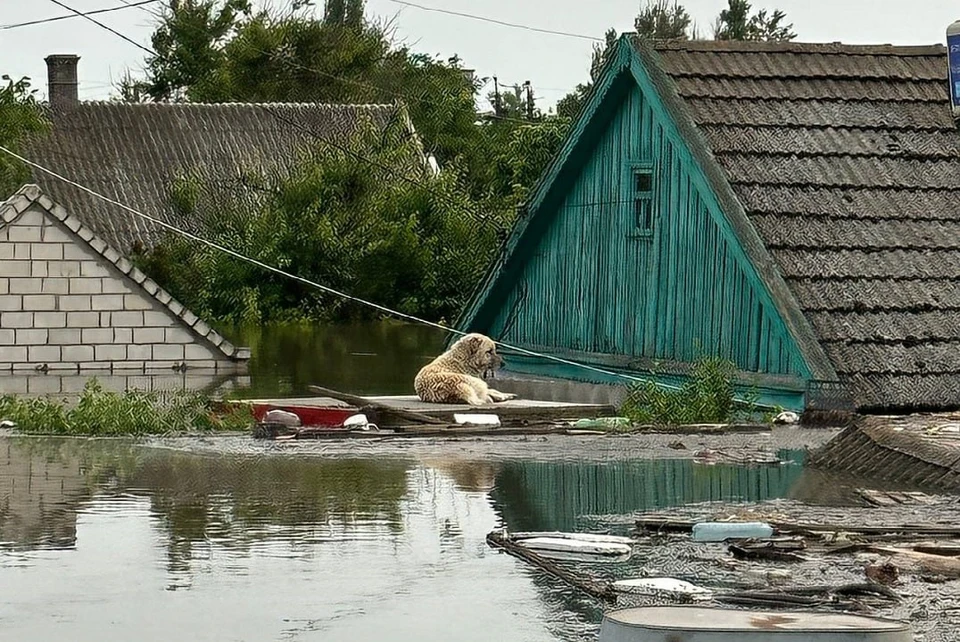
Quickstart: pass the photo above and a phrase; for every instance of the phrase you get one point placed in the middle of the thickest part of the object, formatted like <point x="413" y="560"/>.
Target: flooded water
<point x="362" y="358"/>
<point x="107" y="540"/>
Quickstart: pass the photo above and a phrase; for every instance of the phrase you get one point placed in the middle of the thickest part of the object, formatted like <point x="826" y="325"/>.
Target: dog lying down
<point x="456" y="376"/>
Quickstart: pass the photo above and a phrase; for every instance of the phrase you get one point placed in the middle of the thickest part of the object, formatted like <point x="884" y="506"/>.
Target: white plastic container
<point x="720" y="531"/>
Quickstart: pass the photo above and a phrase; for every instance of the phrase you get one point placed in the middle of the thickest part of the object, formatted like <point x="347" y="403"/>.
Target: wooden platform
<point x="322" y="415"/>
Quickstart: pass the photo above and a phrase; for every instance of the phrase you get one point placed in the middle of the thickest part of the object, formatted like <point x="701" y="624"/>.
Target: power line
<point x="497" y="22"/>
<point x="100" y="24"/>
<point x="323" y="288"/>
<point x="74" y="15"/>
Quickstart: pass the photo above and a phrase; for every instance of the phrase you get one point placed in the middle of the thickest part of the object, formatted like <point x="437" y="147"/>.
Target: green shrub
<point x="708" y="396"/>
<point x="104" y="413"/>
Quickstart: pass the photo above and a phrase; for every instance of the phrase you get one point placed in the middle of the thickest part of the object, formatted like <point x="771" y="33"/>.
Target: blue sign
<point x="953" y="56"/>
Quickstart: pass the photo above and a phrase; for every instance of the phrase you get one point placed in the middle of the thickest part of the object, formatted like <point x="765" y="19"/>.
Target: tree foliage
<point x="21" y="115"/>
<point x="736" y="23"/>
<point x="388" y="233"/>
<point x="659" y="19"/>
<point x="668" y="20"/>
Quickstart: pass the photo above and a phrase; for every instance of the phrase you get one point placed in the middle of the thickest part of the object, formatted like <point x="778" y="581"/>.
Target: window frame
<point x="633" y="170"/>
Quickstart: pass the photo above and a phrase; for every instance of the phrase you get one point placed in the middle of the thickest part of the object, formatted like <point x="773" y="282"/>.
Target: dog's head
<point x="478" y="353"/>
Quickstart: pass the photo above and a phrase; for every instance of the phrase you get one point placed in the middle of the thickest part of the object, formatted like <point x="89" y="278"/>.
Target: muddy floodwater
<point x="204" y="540"/>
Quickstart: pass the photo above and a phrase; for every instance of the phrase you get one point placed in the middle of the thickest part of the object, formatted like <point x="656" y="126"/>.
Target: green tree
<point x="219" y="51"/>
<point x="666" y="20"/>
<point x="659" y="19"/>
<point x="388" y="233"/>
<point x="21" y="115"/>
<point x="736" y="23"/>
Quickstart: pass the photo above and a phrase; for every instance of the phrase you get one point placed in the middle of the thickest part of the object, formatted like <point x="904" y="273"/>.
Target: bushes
<point x="104" y="413"/>
<point x="707" y="397"/>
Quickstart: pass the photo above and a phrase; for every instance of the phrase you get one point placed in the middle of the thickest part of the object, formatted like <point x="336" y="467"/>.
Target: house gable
<point x="606" y="271"/>
<point x="70" y="302"/>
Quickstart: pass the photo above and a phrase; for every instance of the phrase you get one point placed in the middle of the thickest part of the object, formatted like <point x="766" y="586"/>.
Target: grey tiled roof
<point x="132" y="153"/>
<point x="846" y="159"/>
<point x="31" y="194"/>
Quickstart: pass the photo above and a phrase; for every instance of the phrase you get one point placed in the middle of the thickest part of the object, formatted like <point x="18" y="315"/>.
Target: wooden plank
<point x="515" y="410"/>
<point x="368" y="402"/>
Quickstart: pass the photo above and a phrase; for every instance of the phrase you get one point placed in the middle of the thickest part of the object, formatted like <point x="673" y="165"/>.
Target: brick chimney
<point x="62" y="80"/>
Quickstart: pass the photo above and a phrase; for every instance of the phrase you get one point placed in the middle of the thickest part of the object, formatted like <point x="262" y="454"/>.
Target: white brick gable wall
<point x="68" y="302"/>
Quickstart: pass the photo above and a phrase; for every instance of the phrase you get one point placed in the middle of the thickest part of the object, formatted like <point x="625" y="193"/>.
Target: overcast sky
<point x="554" y="63"/>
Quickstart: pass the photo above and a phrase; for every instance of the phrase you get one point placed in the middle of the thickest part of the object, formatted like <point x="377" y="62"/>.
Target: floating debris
<point x="663" y="587"/>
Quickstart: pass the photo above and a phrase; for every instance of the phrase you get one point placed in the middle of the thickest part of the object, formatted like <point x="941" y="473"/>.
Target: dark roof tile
<point x="908" y="392"/>
<point x="841" y="171"/>
<point x="828" y="233"/>
<point x="879" y="203"/>
<point x="894" y="359"/>
<point x="887" y="327"/>
<point x="823" y="113"/>
<point x="853" y="142"/>
<point x="865" y="265"/>
<point x="697" y="87"/>
<point x="894" y="295"/>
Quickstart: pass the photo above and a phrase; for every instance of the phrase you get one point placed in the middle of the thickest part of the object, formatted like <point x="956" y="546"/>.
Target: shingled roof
<point x="133" y="152"/>
<point x="846" y="160"/>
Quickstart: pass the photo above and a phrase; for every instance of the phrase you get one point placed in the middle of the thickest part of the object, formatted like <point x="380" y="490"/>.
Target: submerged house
<point x="71" y="303"/>
<point x="794" y="208"/>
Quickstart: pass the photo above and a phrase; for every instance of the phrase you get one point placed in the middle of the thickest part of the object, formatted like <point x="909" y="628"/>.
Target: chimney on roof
<point x="62" y="86"/>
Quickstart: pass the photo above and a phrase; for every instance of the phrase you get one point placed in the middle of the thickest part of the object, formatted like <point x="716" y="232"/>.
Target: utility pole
<point x="497" y="109"/>
<point x="529" y="87"/>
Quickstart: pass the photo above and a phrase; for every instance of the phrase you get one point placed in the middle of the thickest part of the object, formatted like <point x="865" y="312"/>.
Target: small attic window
<point x="642" y="198"/>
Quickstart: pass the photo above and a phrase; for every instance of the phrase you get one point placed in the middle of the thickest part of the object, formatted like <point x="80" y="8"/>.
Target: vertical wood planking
<point x="684" y="292"/>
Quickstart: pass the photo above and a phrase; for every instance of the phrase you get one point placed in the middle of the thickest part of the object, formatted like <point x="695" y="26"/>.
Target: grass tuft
<point x="101" y="412"/>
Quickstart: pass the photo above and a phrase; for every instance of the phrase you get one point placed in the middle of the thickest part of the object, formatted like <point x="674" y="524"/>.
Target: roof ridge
<point x="836" y="47"/>
<point x="31" y="194"/>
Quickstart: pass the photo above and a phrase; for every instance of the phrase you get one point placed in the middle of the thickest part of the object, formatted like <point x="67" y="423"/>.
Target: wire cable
<point x="323" y="288"/>
<point x="503" y="23"/>
<point x="74" y="15"/>
<point x="100" y="24"/>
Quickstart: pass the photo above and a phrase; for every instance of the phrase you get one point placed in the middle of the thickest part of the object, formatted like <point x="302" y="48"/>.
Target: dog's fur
<point x="456" y="376"/>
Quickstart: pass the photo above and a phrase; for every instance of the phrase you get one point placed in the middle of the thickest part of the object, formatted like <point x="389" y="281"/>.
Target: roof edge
<point x="789" y="308"/>
<point x="31" y="194"/>
<point x="793" y="46"/>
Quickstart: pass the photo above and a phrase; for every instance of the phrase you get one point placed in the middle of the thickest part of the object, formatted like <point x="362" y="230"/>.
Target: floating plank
<point x="583" y="537"/>
<point x="546" y="545"/>
<point x="508" y="411"/>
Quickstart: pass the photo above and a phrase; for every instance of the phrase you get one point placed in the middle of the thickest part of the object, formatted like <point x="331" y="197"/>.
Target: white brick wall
<point x="65" y="306"/>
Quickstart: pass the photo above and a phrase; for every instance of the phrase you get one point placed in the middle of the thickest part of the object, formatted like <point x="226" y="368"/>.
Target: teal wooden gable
<point x="632" y="256"/>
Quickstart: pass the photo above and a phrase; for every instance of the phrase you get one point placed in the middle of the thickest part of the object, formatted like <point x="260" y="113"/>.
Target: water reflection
<point x="363" y="358"/>
<point x="281" y="547"/>
<point x="551" y="496"/>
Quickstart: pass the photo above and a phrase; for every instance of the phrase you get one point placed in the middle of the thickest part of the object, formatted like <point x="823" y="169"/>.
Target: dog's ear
<point x="473" y="342"/>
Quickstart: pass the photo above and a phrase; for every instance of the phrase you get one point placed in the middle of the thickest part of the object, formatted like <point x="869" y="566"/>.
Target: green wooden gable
<point x="633" y="253"/>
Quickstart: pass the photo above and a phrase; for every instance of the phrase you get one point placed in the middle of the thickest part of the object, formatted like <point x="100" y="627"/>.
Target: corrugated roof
<point x="133" y="152"/>
<point x="846" y="159"/>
